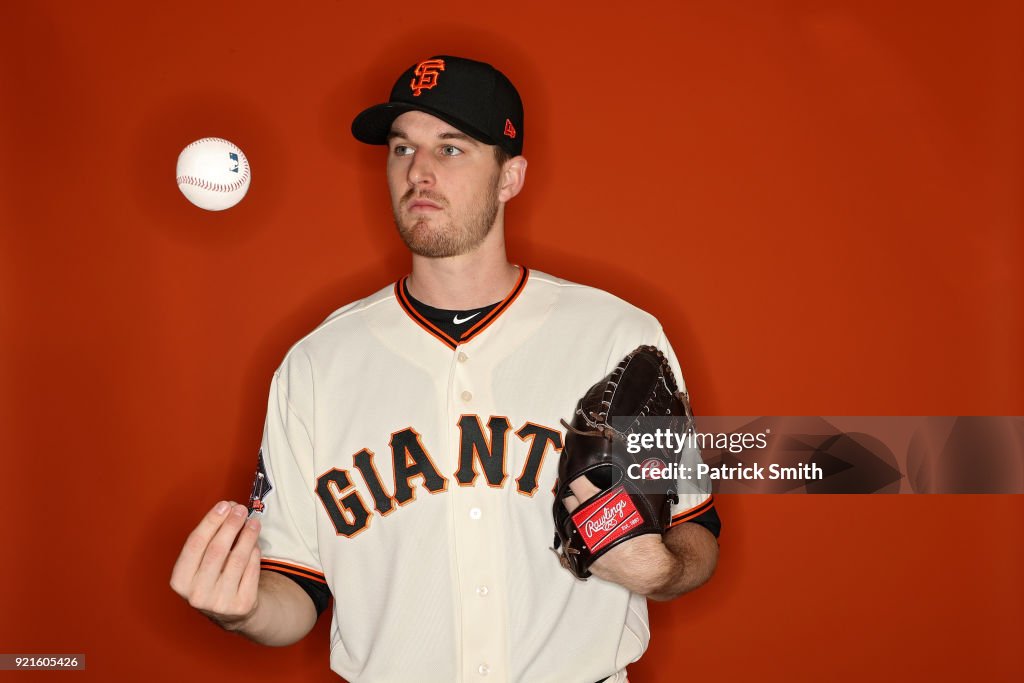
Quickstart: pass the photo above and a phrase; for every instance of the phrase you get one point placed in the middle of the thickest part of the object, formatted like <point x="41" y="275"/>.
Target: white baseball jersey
<point x="415" y="474"/>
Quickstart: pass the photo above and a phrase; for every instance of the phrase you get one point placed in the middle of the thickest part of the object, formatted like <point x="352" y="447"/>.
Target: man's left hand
<point x="659" y="567"/>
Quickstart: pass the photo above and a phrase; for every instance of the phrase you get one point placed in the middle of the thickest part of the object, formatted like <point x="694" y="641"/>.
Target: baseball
<point x="213" y="174"/>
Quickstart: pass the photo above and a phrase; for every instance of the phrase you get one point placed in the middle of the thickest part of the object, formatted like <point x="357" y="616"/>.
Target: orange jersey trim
<point x="480" y="326"/>
<point x="410" y="311"/>
<point x="693" y="512"/>
<point x="484" y="323"/>
<point x="296" y="569"/>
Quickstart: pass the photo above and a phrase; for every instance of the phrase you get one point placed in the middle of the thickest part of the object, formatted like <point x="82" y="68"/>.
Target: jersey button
<point x="482" y="591"/>
<point x="462" y="357"/>
<point x="484" y="669"/>
<point x="466" y="396"/>
<point x="475" y="513"/>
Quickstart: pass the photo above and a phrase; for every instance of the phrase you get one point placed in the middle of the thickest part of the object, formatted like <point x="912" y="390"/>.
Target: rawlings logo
<point x="610" y="518"/>
<point x="426" y="75"/>
<point x="647" y="466"/>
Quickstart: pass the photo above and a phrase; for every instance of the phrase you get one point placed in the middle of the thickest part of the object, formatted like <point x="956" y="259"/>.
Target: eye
<point x="401" y="150"/>
<point x="451" y="151"/>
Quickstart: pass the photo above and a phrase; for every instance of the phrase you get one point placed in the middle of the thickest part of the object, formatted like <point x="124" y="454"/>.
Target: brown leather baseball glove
<point x="640" y="388"/>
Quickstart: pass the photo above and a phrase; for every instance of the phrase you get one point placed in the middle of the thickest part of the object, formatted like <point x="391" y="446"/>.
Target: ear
<point x="513" y="175"/>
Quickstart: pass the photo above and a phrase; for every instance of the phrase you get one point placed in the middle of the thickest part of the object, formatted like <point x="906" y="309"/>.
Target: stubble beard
<point x="460" y="235"/>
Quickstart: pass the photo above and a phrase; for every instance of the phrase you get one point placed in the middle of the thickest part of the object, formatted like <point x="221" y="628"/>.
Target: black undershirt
<point x="452" y="323"/>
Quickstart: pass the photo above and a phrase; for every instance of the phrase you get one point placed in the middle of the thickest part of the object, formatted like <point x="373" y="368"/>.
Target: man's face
<point x="444" y="186"/>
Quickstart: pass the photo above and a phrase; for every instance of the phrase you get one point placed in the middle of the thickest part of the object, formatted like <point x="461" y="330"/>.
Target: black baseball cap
<point x="473" y="96"/>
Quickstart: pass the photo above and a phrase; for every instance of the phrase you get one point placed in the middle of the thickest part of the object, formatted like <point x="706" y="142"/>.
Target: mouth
<point x="424" y="206"/>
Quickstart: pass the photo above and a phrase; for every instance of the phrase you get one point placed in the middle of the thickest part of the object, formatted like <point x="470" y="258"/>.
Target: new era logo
<point x="510" y="130"/>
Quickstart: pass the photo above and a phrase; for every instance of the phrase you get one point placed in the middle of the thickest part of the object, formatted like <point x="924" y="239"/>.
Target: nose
<point x="421" y="170"/>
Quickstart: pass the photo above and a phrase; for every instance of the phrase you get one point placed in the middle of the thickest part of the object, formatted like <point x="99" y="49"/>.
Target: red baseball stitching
<point x="217" y="187"/>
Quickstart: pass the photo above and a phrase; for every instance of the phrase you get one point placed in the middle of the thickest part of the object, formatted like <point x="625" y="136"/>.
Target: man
<point x="412" y="440"/>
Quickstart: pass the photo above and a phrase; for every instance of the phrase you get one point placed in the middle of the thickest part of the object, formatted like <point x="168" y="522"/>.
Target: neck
<point x="472" y="280"/>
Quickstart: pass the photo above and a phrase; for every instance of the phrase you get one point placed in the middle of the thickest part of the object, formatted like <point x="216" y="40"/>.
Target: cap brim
<point x="373" y="125"/>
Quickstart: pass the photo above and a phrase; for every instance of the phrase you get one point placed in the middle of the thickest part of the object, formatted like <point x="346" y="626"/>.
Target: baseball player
<point x="411" y="445"/>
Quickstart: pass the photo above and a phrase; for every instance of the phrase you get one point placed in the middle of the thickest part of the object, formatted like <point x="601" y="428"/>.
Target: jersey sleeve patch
<point x="260" y="487"/>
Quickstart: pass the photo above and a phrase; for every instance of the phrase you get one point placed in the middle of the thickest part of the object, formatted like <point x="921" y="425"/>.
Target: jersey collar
<point x="473" y="331"/>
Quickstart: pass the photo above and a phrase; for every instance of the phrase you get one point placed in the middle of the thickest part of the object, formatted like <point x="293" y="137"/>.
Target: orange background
<point x="825" y="202"/>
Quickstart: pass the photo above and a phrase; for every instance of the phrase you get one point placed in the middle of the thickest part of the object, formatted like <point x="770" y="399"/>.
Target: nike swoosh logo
<point x="459" y="322"/>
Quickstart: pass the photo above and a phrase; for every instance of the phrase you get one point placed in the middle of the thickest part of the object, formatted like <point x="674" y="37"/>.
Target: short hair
<point x="501" y="155"/>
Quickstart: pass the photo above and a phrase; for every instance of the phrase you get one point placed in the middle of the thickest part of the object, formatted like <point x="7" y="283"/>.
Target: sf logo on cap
<point x="426" y="75"/>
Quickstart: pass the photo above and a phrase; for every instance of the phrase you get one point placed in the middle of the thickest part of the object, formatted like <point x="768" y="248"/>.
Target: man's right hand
<point x="218" y="570"/>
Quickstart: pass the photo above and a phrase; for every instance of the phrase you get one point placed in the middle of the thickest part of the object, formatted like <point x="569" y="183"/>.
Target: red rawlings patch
<point x="606" y="519"/>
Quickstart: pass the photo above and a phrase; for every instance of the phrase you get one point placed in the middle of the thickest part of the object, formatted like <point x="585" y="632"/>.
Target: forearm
<point x="662" y="568"/>
<point x="284" y="613"/>
<point x="693" y="553"/>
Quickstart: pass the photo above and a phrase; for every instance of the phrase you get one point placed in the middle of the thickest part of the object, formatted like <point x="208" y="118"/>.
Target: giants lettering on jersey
<point x="413" y="467"/>
<point x="607" y="518"/>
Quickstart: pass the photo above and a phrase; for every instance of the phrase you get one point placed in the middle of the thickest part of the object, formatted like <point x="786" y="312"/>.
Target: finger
<point x="583" y="489"/>
<point x="571" y="503"/>
<point x="238" y="559"/>
<point x="192" y="552"/>
<point x="248" y="587"/>
<point x="217" y="550"/>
